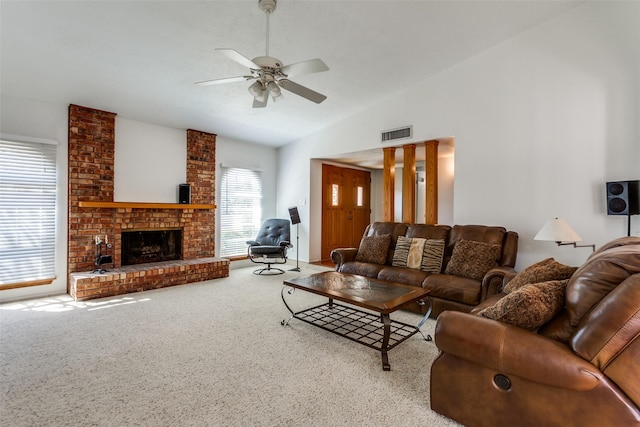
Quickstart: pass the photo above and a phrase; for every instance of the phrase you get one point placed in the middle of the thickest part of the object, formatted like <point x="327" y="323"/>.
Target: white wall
<point x="31" y="118"/>
<point x="540" y="122"/>
<point x="41" y="120"/>
<point x="149" y="162"/>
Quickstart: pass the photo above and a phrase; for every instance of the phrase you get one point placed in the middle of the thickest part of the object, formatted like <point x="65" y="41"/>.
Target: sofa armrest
<point x="342" y="255"/>
<point x="494" y="280"/>
<point x="514" y="351"/>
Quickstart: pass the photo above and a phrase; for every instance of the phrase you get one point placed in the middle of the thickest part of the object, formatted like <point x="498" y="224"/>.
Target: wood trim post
<point x="431" y="181"/>
<point x="388" y="183"/>
<point x="409" y="184"/>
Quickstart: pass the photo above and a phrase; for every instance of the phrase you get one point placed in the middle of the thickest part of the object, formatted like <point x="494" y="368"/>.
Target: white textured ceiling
<point x="140" y="59"/>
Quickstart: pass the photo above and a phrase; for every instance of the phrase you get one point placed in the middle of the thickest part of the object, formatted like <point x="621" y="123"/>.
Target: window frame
<point x="247" y="218"/>
<point x="28" y="211"/>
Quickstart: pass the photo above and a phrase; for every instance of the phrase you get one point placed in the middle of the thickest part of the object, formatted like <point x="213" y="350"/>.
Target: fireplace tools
<point x="102" y="258"/>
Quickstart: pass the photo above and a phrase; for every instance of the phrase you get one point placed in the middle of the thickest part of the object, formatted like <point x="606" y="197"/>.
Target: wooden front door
<point x="346" y="207"/>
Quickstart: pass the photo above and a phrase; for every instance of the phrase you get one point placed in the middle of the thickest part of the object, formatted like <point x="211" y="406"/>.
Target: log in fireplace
<point x="142" y="246"/>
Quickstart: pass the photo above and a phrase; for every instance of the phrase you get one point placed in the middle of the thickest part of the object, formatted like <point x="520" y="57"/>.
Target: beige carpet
<point x="206" y="354"/>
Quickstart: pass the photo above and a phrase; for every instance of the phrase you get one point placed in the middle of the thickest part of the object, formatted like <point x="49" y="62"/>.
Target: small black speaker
<point x="293" y="213"/>
<point x="623" y="197"/>
<point x="184" y="194"/>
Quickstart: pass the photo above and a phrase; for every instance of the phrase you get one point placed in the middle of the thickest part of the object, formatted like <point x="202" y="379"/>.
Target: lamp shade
<point x="557" y="230"/>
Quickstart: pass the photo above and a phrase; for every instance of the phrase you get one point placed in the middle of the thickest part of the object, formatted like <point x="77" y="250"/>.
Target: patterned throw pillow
<point x="419" y="253"/>
<point x="374" y="249"/>
<point x="543" y="271"/>
<point x="529" y="306"/>
<point x="473" y="259"/>
<point x="432" y="256"/>
<point x="406" y="250"/>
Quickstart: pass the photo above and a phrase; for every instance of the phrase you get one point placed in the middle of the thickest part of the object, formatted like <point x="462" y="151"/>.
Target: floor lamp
<point x="295" y="219"/>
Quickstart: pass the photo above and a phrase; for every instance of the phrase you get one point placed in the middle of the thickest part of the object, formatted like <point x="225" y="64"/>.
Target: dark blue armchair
<point x="270" y="246"/>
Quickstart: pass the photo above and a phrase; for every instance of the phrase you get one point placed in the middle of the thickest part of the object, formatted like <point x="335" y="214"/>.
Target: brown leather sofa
<point x="448" y="292"/>
<point x="582" y="368"/>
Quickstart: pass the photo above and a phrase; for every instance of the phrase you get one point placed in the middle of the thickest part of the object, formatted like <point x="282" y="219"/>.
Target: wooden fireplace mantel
<point x="143" y="205"/>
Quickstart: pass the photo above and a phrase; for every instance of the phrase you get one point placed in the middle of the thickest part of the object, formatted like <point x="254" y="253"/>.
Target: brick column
<point x="91" y="172"/>
<point x="201" y="174"/>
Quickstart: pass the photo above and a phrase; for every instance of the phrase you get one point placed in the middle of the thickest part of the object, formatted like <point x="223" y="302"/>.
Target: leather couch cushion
<point x="473" y="259"/>
<point x="611" y="325"/>
<point x="597" y="277"/>
<point x="529" y="306"/>
<point x="543" y="271"/>
<point x="365" y="269"/>
<point x="453" y="288"/>
<point x="374" y="249"/>
<point x="490" y="301"/>
<point x="428" y="231"/>
<point x="406" y="276"/>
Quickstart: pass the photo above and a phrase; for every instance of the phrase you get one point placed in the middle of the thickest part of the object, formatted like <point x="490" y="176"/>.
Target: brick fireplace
<point x="92" y="213"/>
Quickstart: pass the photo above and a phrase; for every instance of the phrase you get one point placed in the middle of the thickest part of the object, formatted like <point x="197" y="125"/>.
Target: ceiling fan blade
<point x="225" y="80"/>
<point x="302" y="91"/>
<point x="239" y="58"/>
<point x="305" y="67"/>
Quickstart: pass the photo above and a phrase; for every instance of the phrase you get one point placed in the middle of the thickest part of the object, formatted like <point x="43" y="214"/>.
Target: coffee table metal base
<point x="374" y="330"/>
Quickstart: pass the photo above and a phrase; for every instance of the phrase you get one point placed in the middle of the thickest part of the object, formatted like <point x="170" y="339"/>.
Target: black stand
<point x="628" y="225"/>
<point x="297" y="249"/>
<point x="102" y="258"/>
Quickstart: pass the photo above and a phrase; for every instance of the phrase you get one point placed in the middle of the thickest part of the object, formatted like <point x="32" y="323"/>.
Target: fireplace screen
<point x="142" y="246"/>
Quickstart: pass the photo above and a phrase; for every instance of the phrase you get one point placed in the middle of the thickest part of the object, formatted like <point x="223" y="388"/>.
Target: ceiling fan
<point x="269" y="73"/>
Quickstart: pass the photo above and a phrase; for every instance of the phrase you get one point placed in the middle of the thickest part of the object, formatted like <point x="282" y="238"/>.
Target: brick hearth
<point x="135" y="278"/>
<point x="91" y="179"/>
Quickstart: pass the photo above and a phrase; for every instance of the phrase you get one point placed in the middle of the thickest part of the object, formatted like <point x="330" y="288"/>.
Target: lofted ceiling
<point x="140" y="59"/>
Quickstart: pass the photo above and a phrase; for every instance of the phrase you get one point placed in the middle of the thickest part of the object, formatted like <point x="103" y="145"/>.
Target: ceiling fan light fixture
<point x="274" y="89"/>
<point x="256" y="89"/>
<point x="262" y="96"/>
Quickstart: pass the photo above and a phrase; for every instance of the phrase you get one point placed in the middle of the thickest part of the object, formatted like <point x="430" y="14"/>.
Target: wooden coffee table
<point x="375" y="330"/>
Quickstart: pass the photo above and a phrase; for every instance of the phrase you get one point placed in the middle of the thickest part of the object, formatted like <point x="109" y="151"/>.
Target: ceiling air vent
<point x="393" y="134"/>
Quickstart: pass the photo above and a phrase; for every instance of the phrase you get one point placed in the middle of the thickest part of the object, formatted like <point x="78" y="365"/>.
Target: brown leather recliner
<point x="580" y="369"/>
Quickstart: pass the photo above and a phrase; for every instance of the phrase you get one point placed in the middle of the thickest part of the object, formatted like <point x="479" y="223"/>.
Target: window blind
<point x="240" y="209"/>
<point x="27" y="211"/>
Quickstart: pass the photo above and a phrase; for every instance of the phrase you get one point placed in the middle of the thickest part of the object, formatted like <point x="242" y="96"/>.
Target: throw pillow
<point x="407" y="252"/>
<point x="419" y="253"/>
<point x="543" y="271"/>
<point x="432" y="256"/>
<point x="473" y="259"/>
<point x="403" y="247"/>
<point x="374" y="249"/>
<point x="530" y="306"/>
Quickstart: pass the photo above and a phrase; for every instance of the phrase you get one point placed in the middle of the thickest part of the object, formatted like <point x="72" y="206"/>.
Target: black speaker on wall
<point x="184" y="194"/>
<point x="623" y="197"/>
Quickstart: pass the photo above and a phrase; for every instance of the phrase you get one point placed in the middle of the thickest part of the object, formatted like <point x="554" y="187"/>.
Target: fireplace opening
<point x="142" y="246"/>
